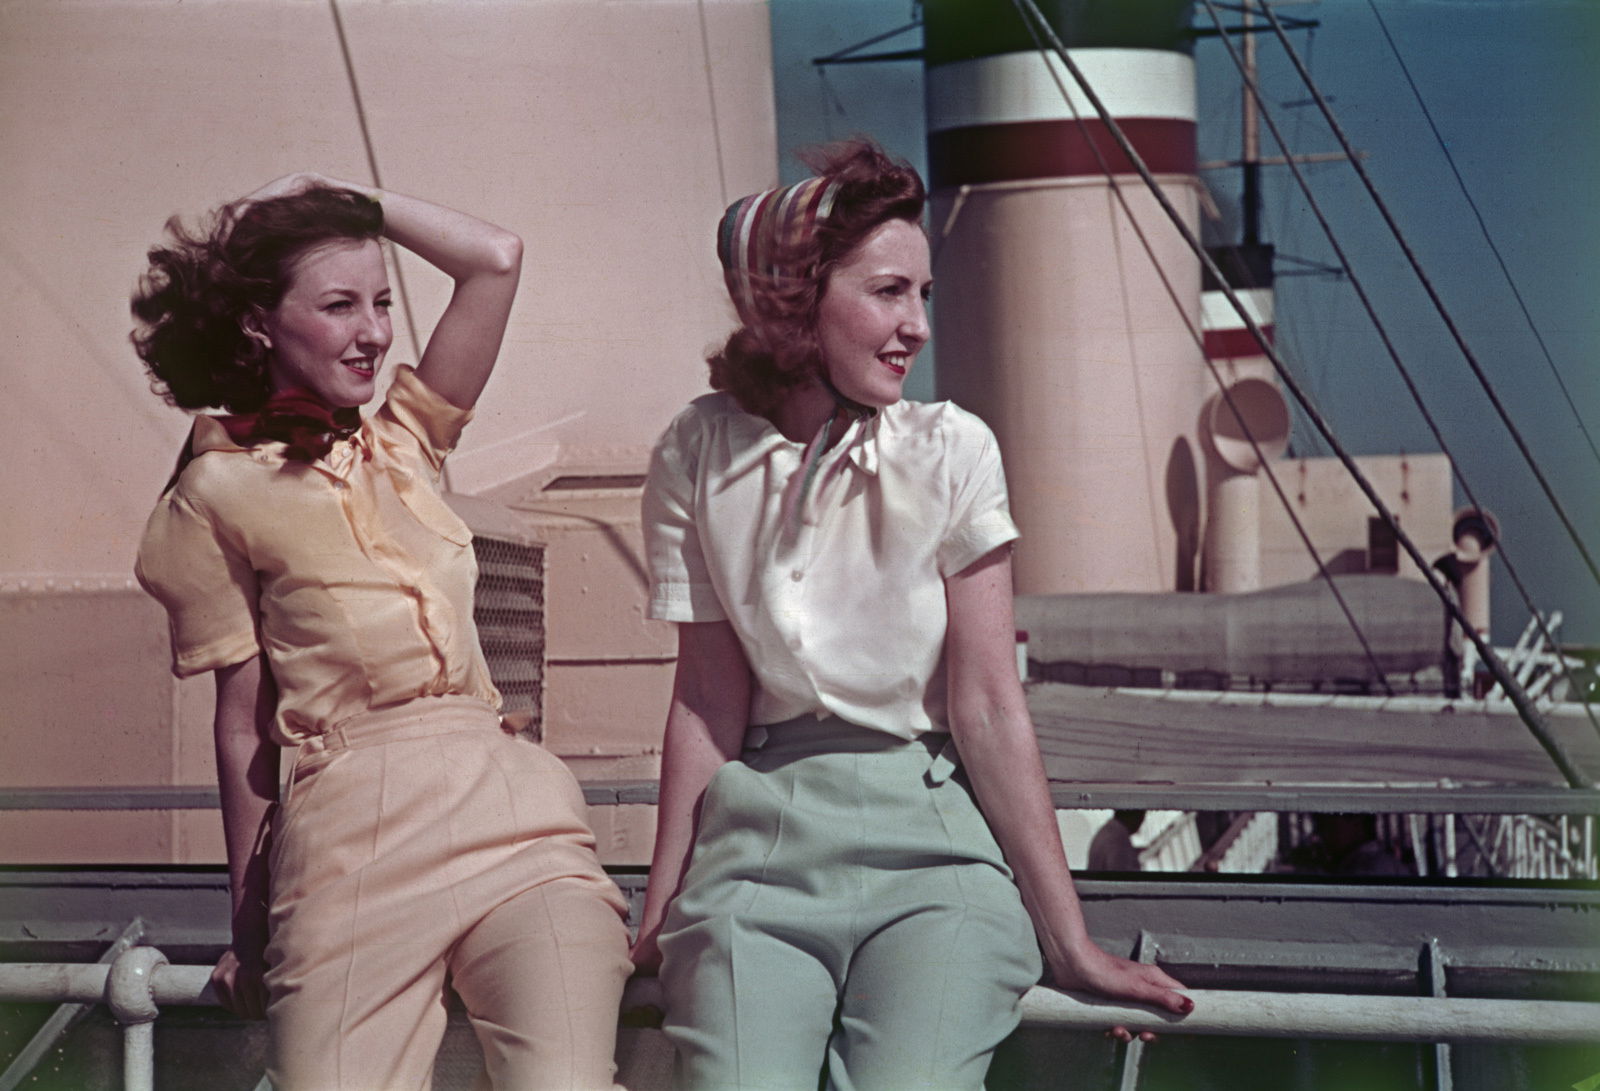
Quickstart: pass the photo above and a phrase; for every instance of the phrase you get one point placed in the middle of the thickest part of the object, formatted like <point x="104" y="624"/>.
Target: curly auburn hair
<point x="191" y="301"/>
<point x="760" y="364"/>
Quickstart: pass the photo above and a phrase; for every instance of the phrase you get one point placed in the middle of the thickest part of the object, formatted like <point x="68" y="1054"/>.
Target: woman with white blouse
<point x="306" y="559"/>
<point x="857" y="862"/>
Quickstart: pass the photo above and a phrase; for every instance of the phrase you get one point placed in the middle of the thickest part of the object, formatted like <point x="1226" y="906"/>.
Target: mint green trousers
<point x="846" y="921"/>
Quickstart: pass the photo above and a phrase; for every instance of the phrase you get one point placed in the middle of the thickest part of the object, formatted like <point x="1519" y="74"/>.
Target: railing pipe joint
<point x="130" y="986"/>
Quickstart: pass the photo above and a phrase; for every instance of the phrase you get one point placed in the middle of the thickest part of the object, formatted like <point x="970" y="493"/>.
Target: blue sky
<point x="1512" y="87"/>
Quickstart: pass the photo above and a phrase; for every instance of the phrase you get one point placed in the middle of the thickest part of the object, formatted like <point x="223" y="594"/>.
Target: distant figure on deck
<point x="1348" y="845"/>
<point x="827" y="899"/>
<point x="305" y="558"/>
<point x="1112" y="848"/>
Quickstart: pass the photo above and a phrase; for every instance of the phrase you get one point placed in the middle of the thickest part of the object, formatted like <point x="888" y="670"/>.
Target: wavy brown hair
<point x="191" y="301"/>
<point x="761" y="364"/>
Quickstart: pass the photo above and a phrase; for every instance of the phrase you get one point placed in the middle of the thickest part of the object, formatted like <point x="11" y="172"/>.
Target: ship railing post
<point x="1144" y="951"/>
<point x="1433" y="978"/>
<point x="130" y="993"/>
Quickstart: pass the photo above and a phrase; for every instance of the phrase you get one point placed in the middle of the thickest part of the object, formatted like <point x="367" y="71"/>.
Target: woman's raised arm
<point x="485" y="262"/>
<point x="992" y="730"/>
<point x="706" y="725"/>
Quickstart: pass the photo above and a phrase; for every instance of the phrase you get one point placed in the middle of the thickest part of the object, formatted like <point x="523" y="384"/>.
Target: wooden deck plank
<point x="1093" y="735"/>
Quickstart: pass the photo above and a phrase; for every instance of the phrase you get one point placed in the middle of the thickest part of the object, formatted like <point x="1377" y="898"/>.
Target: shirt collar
<point x="864" y="450"/>
<point x="210" y="435"/>
<point x="754" y="438"/>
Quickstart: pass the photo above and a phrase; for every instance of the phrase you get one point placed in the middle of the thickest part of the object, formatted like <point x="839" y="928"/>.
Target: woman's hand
<point x="1089" y="968"/>
<point x="646" y="954"/>
<point x="641" y="1003"/>
<point x="240" y="984"/>
<point x="282" y="187"/>
<point x="286" y="186"/>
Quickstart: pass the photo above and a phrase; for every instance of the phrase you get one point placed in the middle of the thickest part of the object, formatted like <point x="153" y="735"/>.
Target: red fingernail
<point x="1188" y="1005"/>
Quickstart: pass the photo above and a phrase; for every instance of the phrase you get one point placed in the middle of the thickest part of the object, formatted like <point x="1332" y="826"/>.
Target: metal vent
<point x="509" y="611"/>
<point x="592" y="482"/>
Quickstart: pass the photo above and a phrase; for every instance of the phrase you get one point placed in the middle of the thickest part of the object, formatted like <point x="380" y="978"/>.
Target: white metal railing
<point x="1248" y="846"/>
<point x="133" y="986"/>
<point x="1331" y="1015"/>
<point x="1539" y="666"/>
<point x="1174" y="846"/>
<point x="140" y="980"/>
<point x="1532" y="847"/>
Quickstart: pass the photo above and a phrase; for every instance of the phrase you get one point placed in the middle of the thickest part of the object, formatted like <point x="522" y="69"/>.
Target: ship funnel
<point x="1475" y="533"/>
<point x="1257" y="410"/>
<point x="1058" y="273"/>
<point x="1254" y="409"/>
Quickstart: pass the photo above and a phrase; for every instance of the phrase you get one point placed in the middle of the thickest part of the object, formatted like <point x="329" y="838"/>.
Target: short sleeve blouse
<point x="838" y="602"/>
<point x="350" y="573"/>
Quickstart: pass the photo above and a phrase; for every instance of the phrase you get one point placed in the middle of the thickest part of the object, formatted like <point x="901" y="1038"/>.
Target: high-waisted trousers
<point x="846" y="911"/>
<point x="421" y="843"/>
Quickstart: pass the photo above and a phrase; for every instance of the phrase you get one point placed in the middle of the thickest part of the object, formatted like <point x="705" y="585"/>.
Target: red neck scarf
<point x="308" y="425"/>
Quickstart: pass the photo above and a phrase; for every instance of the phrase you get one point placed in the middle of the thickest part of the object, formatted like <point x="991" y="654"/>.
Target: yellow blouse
<point x="350" y="573"/>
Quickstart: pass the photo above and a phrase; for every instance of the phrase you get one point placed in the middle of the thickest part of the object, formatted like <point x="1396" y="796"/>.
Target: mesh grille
<point x="509" y="611"/>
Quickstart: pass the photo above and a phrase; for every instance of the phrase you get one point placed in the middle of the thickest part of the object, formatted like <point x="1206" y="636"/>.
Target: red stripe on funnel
<point x="1021" y="150"/>
<point x="1235" y="344"/>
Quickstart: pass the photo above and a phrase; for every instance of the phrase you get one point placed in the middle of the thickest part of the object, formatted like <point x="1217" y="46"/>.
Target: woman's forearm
<point x="1001" y="756"/>
<point x="687" y="765"/>
<point x="247" y="778"/>
<point x="459" y="245"/>
<point x="463" y="247"/>
<point x="992" y="729"/>
<point x="705" y="729"/>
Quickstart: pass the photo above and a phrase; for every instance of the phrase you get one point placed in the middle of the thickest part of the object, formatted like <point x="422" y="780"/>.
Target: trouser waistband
<point x="833" y="734"/>
<point x="416" y="719"/>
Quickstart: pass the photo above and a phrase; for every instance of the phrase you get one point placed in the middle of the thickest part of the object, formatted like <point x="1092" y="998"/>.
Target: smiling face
<point x="329" y="332"/>
<point x="872" y="319"/>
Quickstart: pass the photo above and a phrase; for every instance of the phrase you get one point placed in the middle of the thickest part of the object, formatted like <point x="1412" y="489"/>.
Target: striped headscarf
<point x="760" y="234"/>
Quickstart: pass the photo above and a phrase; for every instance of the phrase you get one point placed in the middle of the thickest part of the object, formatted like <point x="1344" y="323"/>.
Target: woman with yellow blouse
<point x="305" y="557"/>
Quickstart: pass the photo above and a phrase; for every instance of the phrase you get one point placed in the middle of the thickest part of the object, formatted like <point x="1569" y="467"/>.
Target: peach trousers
<point x="419" y="844"/>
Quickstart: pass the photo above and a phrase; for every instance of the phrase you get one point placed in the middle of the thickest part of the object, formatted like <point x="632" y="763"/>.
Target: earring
<point x="251" y="325"/>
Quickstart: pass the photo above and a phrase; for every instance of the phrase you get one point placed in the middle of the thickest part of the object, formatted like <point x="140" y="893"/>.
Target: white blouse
<point x="838" y="600"/>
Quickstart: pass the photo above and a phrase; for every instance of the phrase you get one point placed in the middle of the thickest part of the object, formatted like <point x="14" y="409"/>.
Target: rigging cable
<point x="1516" y="293"/>
<point x="1433" y="295"/>
<point x="1254" y="88"/>
<point x="377" y="181"/>
<point x="1199" y="339"/>
<point x="1513" y="690"/>
<point x="711" y="98"/>
<point x="372" y="156"/>
<point x="1294" y="338"/>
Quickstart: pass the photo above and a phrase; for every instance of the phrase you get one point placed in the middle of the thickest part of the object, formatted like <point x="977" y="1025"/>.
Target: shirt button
<point x="338" y="484"/>
<point x="797" y="575"/>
